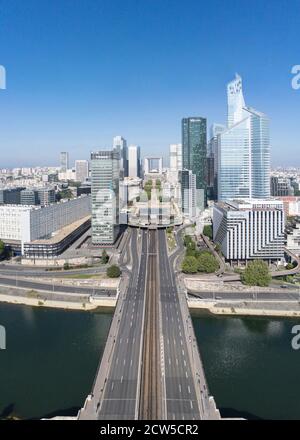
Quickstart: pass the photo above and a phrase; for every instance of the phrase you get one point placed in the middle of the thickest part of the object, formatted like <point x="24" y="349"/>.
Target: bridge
<point x="151" y="367"/>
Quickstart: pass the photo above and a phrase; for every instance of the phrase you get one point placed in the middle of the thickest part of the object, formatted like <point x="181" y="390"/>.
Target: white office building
<point x="19" y="223"/>
<point x="81" y="170"/>
<point x="250" y="229"/>
<point x="187" y="181"/>
<point x="243" y="150"/>
<point x="134" y="161"/>
<point x="175" y="157"/>
<point x="64" y="161"/>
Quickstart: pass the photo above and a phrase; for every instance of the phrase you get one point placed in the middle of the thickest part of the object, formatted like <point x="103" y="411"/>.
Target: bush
<point x="2" y="247"/>
<point x="189" y="265"/>
<point x="289" y="266"/>
<point x="104" y="257"/>
<point x="66" y="266"/>
<point x="208" y="231"/>
<point x="256" y="274"/>
<point x="207" y="263"/>
<point x="113" y="271"/>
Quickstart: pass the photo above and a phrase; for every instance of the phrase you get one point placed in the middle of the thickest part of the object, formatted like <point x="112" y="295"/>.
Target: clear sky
<point x="82" y="71"/>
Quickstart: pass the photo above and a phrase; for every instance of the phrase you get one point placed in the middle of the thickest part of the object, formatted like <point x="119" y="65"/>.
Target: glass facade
<point x="194" y="148"/>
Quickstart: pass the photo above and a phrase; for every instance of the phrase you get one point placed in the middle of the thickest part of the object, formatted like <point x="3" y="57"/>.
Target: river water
<point x="52" y="355"/>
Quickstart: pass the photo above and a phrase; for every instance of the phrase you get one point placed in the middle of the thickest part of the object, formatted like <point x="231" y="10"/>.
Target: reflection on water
<point x="251" y="368"/>
<point x="51" y="358"/>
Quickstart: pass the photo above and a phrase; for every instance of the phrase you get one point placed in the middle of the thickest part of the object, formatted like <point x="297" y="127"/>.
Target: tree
<point x="2" y="247"/>
<point x="113" y="271"/>
<point x="207" y="263"/>
<point x="256" y="274"/>
<point x="208" y="231"/>
<point x="104" y="257"/>
<point x="66" y="266"/>
<point x="190" y="265"/>
<point x="289" y="266"/>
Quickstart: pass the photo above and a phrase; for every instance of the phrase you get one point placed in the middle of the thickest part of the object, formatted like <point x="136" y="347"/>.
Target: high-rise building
<point x="64" y="161"/>
<point x="120" y="144"/>
<point x="212" y="154"/>
<point x="175" y="157"/>
<point x="105" y="177"/>
<point x="243" y="157"/>
<point x="281" y="186"/>
<point x="249" y="229"/>
<point x="194" y="152"/>
<point x="29" y="197"/>
<point x="81" y="170"/>
<point x="187" y="181"/>
<point x="134" y="161"/>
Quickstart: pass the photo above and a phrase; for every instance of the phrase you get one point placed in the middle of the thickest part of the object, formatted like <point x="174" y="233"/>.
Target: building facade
<point x="120" y="144"/>
<point x="194" y="151"/>
<point x="175" y="157"/>
<point x="64" y="161"/>
<point x="134" y="161"/>
<point x="243" y="150"/>
<point x="250" y="229"/>
<point x="105" y="177"/>
<point x="187" y="181"/>
<point x="81" y="170"/>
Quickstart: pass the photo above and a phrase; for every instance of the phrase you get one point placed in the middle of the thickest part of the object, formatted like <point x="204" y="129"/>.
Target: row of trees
<point x="197" y="260"/>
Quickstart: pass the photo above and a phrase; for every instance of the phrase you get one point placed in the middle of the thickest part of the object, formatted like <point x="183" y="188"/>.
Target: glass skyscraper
<point x="105" y="171"/>
<point x="243" y="150"/>
<point x="194" y="151"/>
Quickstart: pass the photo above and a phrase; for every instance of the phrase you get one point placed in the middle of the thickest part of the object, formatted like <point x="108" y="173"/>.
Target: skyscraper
<point x="81" y="170"/>
<point x="187" y="182"/>
<point x="243" y="150"/>
<point x="105" y="171"/>
<point x="64" y="161"/>
<point x="134" y="161"/>
<point x="175" y="157"/>
<point x="120" y="144"/>
<point x="194" y="152"/>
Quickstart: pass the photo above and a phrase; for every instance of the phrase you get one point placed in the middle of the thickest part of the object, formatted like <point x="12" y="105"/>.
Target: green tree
<point x="256" y="274"/>
<point x="113" y="271"/>
<point x="208" y="231"/>
<point x="207" y="263"/>
<point x="66" y="266"/>
<point x="289" y="266"/>
<point x="2" y="247"/>
<point x="189" y="265"/>
<point x="104" y="257"/>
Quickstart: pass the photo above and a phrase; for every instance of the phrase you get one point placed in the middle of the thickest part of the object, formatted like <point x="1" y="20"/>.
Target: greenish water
<point x="51" y="358"/>
<point x="250" y="365"/>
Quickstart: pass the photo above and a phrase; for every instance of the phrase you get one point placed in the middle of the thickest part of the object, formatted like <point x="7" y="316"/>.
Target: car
<point x="283" y="286"/>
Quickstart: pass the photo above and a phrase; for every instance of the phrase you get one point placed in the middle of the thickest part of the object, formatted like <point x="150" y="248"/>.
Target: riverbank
<point x="67" y="301"/>
<point x="281" y="309"/>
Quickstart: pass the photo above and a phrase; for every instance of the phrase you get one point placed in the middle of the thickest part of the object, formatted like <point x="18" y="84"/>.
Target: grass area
<point x="171" y="241"/>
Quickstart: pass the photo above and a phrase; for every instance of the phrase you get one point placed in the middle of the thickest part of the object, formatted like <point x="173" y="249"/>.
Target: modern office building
<point x="175" y="157"/>
<point x="11" y="196"/>
<point x="29" y="197"/>
<point x="21" y="224"/>
<point x="105" y="176"/>
<point x="45" y="196"/>
<point x="243" y="153"/>
<point x="212" y="153"/>
<point x="250" y="229"/>
<point x="134" y="161"/>
<point x="120" y="144"/>
<point x="194" y="152"/>
<point x="64" y="161"/>
<point x="187" y="181"/>
<point x="81" y="170"/>
<point x="281" y="186"/>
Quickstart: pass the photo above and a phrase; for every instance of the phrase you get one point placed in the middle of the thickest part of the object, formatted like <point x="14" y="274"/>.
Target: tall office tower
<point x="120" y="144"/>
<point x="187" y="181"/>
<point x="64" y="161"/>
<point x="105" y="177"/>
<point x="81" y="170"/>
<point x="212" y="154"/>
<point x="194" y="152"/>
<point x="134" y="161"/>
<point x="175" y="157"/>
<point x="281" y="186"/>
<point x="243" y="150"/>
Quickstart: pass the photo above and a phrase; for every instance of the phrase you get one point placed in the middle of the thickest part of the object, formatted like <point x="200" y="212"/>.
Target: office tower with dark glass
<point x="120" y="144"/>
<point x="194" y="153"/>
<point x="105" y="172"/>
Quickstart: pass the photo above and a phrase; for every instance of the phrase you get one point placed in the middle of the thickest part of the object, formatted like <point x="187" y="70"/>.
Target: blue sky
<point x="81" y="71"/>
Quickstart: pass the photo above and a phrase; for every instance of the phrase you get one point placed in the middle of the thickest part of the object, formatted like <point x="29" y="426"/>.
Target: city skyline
<point x="77" y="111"/>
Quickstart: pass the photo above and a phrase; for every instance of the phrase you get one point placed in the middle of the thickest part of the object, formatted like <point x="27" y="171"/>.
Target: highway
<point x="121" y="394"/>
<point x="151" y="406"/>
<point x="181" y="400"/>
